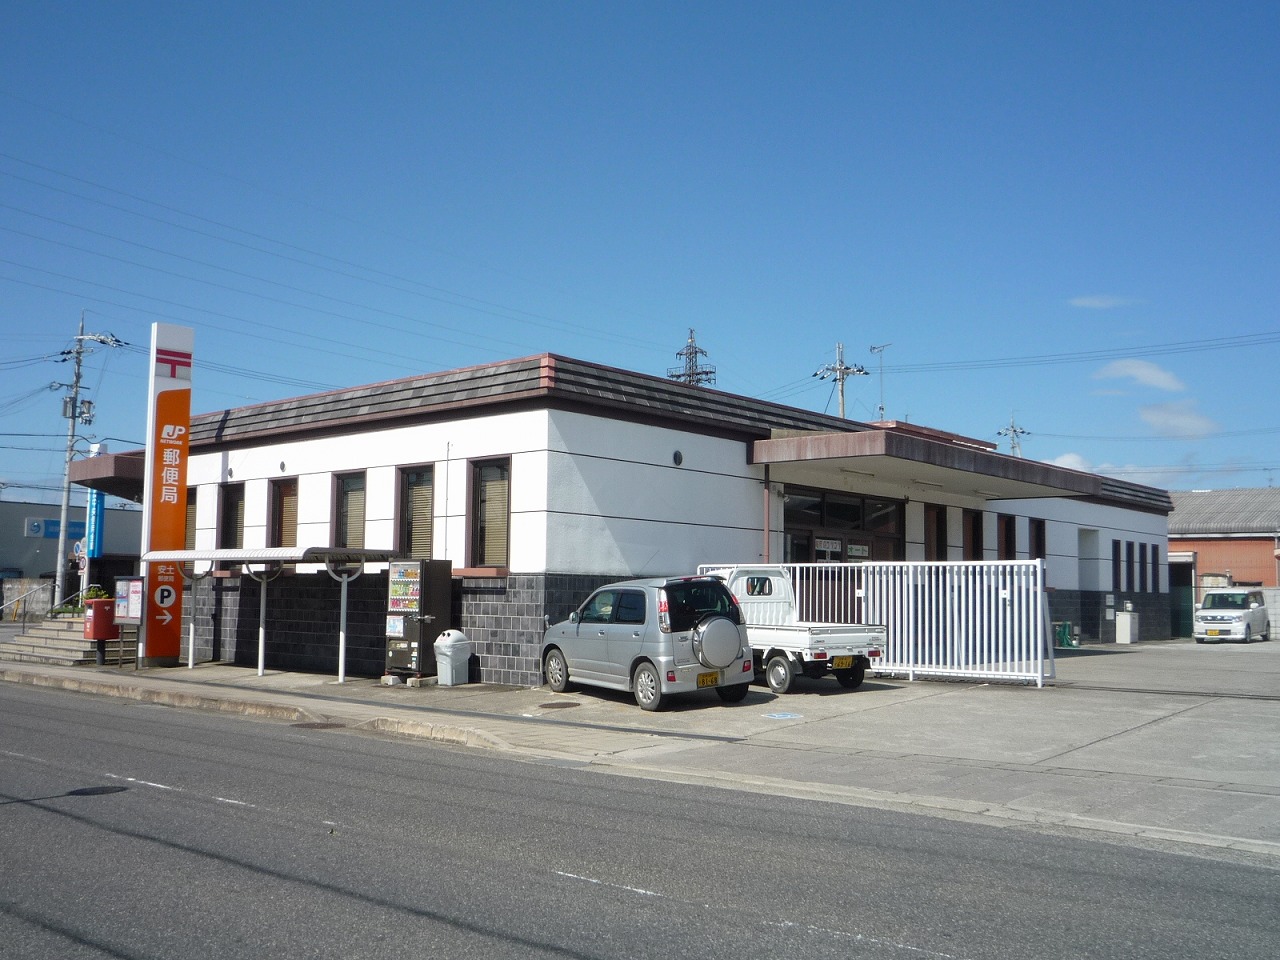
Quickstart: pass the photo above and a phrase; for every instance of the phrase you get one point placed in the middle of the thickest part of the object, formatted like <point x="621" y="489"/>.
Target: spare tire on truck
<point x="716" y="642"/>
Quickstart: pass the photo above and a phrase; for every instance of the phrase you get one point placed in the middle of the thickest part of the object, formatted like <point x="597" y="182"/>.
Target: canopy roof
<point x="330" y="556"/>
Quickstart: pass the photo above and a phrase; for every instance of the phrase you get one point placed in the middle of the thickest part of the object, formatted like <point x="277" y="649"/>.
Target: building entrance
<point x="824" y="526"/>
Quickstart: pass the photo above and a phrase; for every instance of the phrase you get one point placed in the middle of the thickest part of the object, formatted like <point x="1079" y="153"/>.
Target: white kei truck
<point x="782" y="645"/>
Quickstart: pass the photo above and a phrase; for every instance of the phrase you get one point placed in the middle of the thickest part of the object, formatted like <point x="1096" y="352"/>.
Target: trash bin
<point x="100" y="625"/>
<point x="453" y="658"/>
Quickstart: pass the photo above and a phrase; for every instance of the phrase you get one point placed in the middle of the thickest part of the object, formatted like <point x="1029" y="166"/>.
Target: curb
<point x="440" y="732"/>
<point x="168" y="698"/>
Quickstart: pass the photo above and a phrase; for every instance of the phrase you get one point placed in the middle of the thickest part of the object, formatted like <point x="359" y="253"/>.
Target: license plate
<point x="1214" y="633"/>
<point x="842" y="663"/>
<point x="708" y="679"/>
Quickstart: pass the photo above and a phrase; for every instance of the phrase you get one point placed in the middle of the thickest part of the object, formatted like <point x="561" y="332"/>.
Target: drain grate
<point x="318" y="725"/>
<point x="556" y="705"/>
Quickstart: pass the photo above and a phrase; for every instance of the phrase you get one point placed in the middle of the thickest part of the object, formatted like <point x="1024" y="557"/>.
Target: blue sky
<point x="1064" y="214"/>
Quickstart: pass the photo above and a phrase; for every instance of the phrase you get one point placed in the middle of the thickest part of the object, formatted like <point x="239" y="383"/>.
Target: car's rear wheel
<point x="778" y="672"/>
<point x="647" y="686"/>
<point x="735" y="693"/>
<point x="556" y="669"/>
<point x="851" y="679"/>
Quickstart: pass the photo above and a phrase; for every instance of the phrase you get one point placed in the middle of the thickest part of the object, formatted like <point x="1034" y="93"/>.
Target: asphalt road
<point x="136" y="831"/>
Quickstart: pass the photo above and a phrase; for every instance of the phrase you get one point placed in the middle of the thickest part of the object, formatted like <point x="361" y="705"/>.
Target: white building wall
<point x="620" y="504"/>
<point x="446" y="447"/>
<point x="1078" y="537"/>
<point x="588" y="495"/>
<point x="604" y="496"/>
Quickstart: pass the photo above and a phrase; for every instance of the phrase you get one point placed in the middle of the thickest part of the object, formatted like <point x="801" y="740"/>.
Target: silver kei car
<point x="653" y="638"/>
<point x="1232" y="613"/>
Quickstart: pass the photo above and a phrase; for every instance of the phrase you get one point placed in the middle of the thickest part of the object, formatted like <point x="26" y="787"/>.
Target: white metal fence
<point x="981" y="620"/>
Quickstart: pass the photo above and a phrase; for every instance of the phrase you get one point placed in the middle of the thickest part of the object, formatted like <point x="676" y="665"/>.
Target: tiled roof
<point x="1209" y="512"/>
<point x="546" y="378"/>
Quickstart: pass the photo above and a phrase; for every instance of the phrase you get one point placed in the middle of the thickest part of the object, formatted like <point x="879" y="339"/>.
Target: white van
<point x="1232" y="613"/>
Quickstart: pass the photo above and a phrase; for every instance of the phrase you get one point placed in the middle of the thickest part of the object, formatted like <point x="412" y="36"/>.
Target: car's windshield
<point x="688" y="601"/>
<point x="1226" y="601"/>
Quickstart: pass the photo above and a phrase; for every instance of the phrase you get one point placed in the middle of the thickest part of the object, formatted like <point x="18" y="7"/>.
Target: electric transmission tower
<point x="693" y="372"/>
<point x="840" y="370"/>
<point x="1015" y="434"/>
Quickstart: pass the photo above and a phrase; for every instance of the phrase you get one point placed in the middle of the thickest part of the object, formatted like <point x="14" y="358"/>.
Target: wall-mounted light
<point x="677" y="458"/>
<point x="282" y="466"/>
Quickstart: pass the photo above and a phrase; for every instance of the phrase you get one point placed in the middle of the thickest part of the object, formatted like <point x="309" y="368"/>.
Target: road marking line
<point x="603" y="883"/>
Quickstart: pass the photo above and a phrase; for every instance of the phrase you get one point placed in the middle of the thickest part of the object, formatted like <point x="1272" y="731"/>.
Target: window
<point x="1117" y="580"/>
<point x="189" y="537"/>
<point x="1128" y="566"/>
<point x="1039" y="540"/>
<point x="1006" y="537"/>
<point x="1155" y="568"/>
<point x="1142" y="567"/>
<point x="973" y="535"/>
<point x="630" y="607"/>
<point x="231" y="517"/>
<point x="417" y="504"/>
<point x="599" y="608"/>
<point x="490" y="515"/>
<point x="348" y="526"/>
<point x="935" y="532"/>
<point x="284" y="513"/>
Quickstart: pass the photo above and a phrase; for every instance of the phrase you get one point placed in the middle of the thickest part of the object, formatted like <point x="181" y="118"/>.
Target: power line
<point x="509" y="312"/>
<point x="1015" y="434"/>
<point x="840" y="370"/>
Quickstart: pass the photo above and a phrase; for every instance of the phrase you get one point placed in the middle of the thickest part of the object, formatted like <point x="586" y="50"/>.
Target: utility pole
<point x="76" y="411"/>
<point x="879" y="352"/>
<point x="692" y="372"/>
<point x="1015" y="434"/>
<point x="840" y="370"/>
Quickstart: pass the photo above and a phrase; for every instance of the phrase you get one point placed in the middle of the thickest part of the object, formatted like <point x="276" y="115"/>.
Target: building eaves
<point x="548" y="379"/>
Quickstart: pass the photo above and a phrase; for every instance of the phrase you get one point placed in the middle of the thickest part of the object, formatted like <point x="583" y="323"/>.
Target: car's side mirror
<point x="1199" y="605"/>
<point x="573" y="617"/>
<point x="546" y="621"/>
<point x="1253" y="606"/>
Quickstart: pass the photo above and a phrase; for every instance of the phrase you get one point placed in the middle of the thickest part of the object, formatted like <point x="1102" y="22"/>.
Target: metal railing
<point x="976" y="620"/>
<point x="17" y="604"/>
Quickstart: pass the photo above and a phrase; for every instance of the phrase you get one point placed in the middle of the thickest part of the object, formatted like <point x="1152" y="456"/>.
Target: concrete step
<point x="61" y="641"/>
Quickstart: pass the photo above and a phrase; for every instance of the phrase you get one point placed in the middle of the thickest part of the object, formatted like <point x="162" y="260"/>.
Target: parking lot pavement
<point x="1166" y="741"/>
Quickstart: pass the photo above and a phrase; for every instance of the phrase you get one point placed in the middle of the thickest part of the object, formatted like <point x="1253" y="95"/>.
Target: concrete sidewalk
<point x="1165" y="741"/>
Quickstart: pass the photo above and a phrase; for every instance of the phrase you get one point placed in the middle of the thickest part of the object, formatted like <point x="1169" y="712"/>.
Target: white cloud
<point x="1179" y="419"/>
<point x="1142" y="372"/>
<point x="1072" y="461"/>
<point x="1170" y="479"/>
<point x="1102" y="301"/>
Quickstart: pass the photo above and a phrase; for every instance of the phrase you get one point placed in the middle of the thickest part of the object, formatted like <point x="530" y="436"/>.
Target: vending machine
<point x="419" y="608"/>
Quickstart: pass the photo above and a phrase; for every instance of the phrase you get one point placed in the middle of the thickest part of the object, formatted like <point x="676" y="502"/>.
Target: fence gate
<point x="983" y="620"/>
